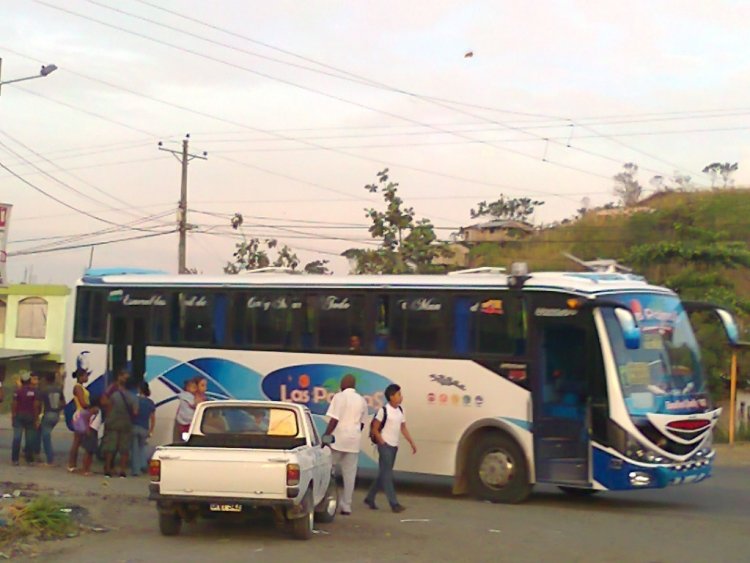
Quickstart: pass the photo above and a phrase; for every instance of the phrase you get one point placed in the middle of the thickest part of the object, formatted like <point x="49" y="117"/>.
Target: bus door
<point x="127" y="337"/>
<point x="561" y="394"/>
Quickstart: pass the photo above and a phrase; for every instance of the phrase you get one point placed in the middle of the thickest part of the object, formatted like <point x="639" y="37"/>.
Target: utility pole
<point x="184" y="157"/>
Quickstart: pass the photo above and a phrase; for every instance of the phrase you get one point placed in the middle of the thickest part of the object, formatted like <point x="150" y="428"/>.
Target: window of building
<point x="32" y="318"/>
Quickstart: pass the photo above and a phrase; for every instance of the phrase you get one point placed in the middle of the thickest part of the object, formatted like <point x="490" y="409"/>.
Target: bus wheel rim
<point x="496" y="469"/>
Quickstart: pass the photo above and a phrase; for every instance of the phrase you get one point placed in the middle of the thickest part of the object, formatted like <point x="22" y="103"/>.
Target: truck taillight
<point x="292" y="474"/>
<point x="154" y="469"/>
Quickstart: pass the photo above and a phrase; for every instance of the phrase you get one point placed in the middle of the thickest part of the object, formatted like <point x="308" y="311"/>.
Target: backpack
<point x="382" y="423"/>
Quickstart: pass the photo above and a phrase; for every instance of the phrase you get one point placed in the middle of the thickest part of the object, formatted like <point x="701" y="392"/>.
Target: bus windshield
<point x="664" y="375"/>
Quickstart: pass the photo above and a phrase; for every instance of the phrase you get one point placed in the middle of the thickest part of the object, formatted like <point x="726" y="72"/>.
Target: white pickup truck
<point x="239" y="456"/>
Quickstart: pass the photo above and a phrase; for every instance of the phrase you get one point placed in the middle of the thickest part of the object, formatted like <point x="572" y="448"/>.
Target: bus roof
<point x="574" y="282"/>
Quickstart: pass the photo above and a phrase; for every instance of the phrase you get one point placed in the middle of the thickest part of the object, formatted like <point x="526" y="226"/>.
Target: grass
<point x="40" y="518"/>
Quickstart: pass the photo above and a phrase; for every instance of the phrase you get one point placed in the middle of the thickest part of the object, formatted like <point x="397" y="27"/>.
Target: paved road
<point x="705" y="522"/>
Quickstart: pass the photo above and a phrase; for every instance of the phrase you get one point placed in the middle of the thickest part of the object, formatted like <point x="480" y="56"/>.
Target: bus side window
<point x="382" y="325"/>
<point x="220" y="318"/>
<point x="237" y="320"/>
<point x="462" y="325"/>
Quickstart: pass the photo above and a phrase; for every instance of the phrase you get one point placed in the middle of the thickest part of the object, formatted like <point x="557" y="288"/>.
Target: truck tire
<point x="169" y="523"/>
<point x="325" y="512"/>
<point x="497" y="470"/>
<point x="302" y="527"/>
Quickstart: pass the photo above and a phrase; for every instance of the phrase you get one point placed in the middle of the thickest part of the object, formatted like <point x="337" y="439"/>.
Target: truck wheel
<point x="325" y="512"/>
<point x="302" y="528"/>
<point x="169" y="523"/>
<point x="497" y="470"/>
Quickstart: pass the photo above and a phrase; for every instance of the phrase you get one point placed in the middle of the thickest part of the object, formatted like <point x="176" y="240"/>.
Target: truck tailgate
<point x="224" y="472"/>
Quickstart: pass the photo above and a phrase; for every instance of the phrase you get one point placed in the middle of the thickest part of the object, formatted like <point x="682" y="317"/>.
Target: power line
<point x="84" y="195"/>
<point x="63" y="203"/>
<point x="323" y="93"/>
<point x="360" y="79"/>
<point x="89" y="245"/>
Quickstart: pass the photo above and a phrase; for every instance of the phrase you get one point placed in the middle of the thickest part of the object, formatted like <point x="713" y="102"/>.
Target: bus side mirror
<point x="730" y="326"/>
<point x="726" y="318"/>
<point x="630" y="330"/>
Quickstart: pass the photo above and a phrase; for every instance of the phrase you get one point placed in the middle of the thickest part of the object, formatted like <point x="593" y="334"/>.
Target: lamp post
<point x="46" y="70"/>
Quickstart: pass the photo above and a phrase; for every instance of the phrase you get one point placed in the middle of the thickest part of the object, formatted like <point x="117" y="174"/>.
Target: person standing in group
<point x="389" y="423"/>
<point x="121" y="408"/>
<point x="80" y="422"/>
<point x="52" y="401"/>
<point x="143" y="429"/>
<point x="25" y="410"/>
<point x="38" y="434"/>
<point x="348" y="416"/>
<point x="185" y="410"/>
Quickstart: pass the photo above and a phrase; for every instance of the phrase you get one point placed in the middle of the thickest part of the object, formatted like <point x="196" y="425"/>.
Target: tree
<point x="627" y="187"/>
<point x="509" y="209"/>
<point x="255" y="253"/>
<point x="657" y="182"/>
<point x="317" y="267"/>
<point x="683" y="181"/>
<point x="404" y="245"/>
<point x="726" y="170"/>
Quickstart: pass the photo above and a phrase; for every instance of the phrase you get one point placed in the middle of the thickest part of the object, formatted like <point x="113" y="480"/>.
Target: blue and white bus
<point x="587" y="381"/>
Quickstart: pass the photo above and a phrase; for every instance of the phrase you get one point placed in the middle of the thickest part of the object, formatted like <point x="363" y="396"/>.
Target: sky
<point x="298" y="105"/>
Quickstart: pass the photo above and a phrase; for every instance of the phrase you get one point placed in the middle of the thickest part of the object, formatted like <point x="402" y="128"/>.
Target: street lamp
<point x="46" y="70"/>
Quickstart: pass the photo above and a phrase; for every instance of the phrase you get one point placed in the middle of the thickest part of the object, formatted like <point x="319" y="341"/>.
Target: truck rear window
<point x="258" y="421"/>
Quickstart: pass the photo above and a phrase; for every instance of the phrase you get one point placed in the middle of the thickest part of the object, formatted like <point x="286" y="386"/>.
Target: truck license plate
<point x="225" y="508"/>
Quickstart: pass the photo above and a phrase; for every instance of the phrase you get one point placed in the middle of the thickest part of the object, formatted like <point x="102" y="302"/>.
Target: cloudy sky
<point x="299" y="104"/>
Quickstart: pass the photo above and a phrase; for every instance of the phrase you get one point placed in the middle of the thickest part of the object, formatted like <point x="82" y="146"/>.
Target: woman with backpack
<point x="387" y="426"/>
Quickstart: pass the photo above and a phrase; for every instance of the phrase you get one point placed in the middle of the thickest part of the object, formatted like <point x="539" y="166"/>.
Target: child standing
<point x="185" y="410"/>
<point x="386" y="436"/>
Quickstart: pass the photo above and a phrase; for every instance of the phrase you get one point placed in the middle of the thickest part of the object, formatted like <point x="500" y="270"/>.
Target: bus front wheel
<point x="497" y="470"/>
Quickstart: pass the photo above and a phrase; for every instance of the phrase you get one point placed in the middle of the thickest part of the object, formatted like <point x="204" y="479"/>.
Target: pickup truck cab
<point x="239" y="456"/>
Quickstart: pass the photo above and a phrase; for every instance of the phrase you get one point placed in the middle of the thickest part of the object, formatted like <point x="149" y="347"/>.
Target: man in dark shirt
<point x="25" y="411"/>
<point x="52" y="402"/>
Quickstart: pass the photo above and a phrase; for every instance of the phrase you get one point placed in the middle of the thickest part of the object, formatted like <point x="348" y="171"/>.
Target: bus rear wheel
<point x="497" y="470"/>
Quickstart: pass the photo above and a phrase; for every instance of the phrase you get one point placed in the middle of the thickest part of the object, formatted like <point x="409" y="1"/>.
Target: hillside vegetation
<point x="694" y="242"/>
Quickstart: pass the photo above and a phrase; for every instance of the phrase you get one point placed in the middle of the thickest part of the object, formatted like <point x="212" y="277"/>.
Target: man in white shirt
<point x="348" y="415"/>
<point x="388" y="425"/>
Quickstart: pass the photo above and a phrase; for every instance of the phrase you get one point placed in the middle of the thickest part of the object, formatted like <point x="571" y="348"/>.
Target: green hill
<point x="693" y="242"/>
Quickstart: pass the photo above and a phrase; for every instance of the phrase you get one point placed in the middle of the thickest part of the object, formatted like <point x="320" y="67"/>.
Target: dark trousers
<point x="23" y="427"/>
<point x="384" y="482"/>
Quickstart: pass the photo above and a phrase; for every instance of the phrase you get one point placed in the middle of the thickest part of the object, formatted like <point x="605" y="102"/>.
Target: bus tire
<point x="497" y="470"/>
<point x="169" y="523"/>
